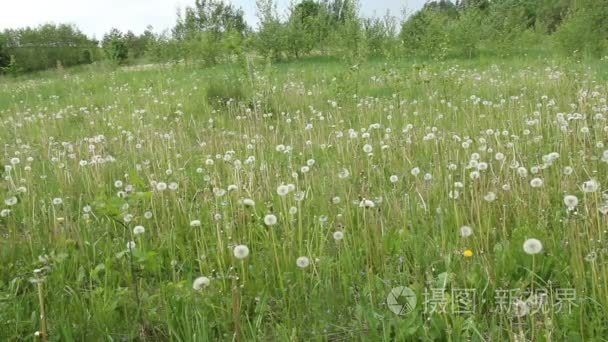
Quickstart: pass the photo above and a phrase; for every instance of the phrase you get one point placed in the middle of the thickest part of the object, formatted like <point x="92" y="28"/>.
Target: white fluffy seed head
<point x="270" y="220"/>
<point x="200" y="282"/>
<point x="466" y="231"/>
<point x="490" y="197"/>
<point x="533" y="246"/>
<point x="570" y="201"/>
<point x="137" y="230"/>
<point x="365" y="203"/>
<point x="303" y="262"/>
<point x="522" y="171"/>
<point x="241" y="251"/>
<point x="591" y="186"/>
<point x="248" y="202"/>
<point x="536" y="182"/>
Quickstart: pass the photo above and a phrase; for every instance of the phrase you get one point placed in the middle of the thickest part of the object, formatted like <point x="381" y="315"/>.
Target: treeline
<point x="467" y="28"/>
<point x="47" y="46"/>
<point x="214" y="31"/>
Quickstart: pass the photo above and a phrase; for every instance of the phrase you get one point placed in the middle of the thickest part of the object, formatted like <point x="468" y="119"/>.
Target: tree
<point x="271" y="38"/>
<point x="425" y="31"/>
<point x="585" y="29"/>
<point x="45" y="46"/>
<point x="115" y="46"/>
<point x="4" y="56"/>
<point x="209" y="30"/>
<point x="304" y="27"/>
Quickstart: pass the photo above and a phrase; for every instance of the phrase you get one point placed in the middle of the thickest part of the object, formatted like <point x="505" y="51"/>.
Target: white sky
<point x="95" y="17"/>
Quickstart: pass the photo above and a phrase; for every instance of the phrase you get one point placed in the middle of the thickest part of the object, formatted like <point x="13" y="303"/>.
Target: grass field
<point x="295" y="201"/>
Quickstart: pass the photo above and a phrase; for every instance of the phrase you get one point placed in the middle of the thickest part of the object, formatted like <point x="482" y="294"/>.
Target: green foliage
<point x="271" y="38"/>
<point x="425" y="33"/>
<point x="4" y="55"/>
<point x="45" y="47"/>
<point x="468" y="28"/>
<point x="303" y="28"/>
<point x="225" y="91"/>
<point x="585" y="29"/>
<point x="380" y="35"/>
<point x="114" y="45"/>
<point x="212" y="32"/>
<point x="11" y="68"/>
<point x="138" y="45"/>
<point x="158" y="127"/>
<point x="464" y="34"/>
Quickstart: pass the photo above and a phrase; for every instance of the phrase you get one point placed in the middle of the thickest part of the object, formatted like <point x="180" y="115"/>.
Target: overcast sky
<point x="95" y="17"/>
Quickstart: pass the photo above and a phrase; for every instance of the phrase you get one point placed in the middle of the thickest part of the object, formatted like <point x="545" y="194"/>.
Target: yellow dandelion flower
<point x="467" y="253"/>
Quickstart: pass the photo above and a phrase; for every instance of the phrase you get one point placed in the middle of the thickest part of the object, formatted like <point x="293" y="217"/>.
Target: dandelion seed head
<point x="590" y="186"/>
<point x="138" y="230"/>
<point x="10" y="201"/>
<point x="241" y="251"/>
<point x="270" y="220"/>
<point x="200" y="283"/>
<point x="344" y="173"/>
<point x="490" y="197"/>
<point x="466" y="231"/>
<point x="536" y="183"/>
<point x="570" y="201"/>
<point x="302" y="262"/>
<point x="532" y="246"/>
<point x="365" y="203"/>
<point x="248" y="202"/>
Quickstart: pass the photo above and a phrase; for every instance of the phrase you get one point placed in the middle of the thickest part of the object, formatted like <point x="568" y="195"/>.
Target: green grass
<point x="165" y="125"/>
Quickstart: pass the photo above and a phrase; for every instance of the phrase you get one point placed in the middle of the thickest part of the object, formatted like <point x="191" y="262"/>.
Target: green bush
<point x="222" y="92"/>
<point x="585" y="29"/>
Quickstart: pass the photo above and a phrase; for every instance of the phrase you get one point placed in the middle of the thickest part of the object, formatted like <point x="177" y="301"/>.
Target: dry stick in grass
<point x="43" y="329"/>
<point x="134" y="278"/>
<point x="236" y="311"/>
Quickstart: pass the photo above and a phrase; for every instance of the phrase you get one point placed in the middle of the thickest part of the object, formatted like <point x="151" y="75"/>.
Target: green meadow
<point x="294" y="201"/>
